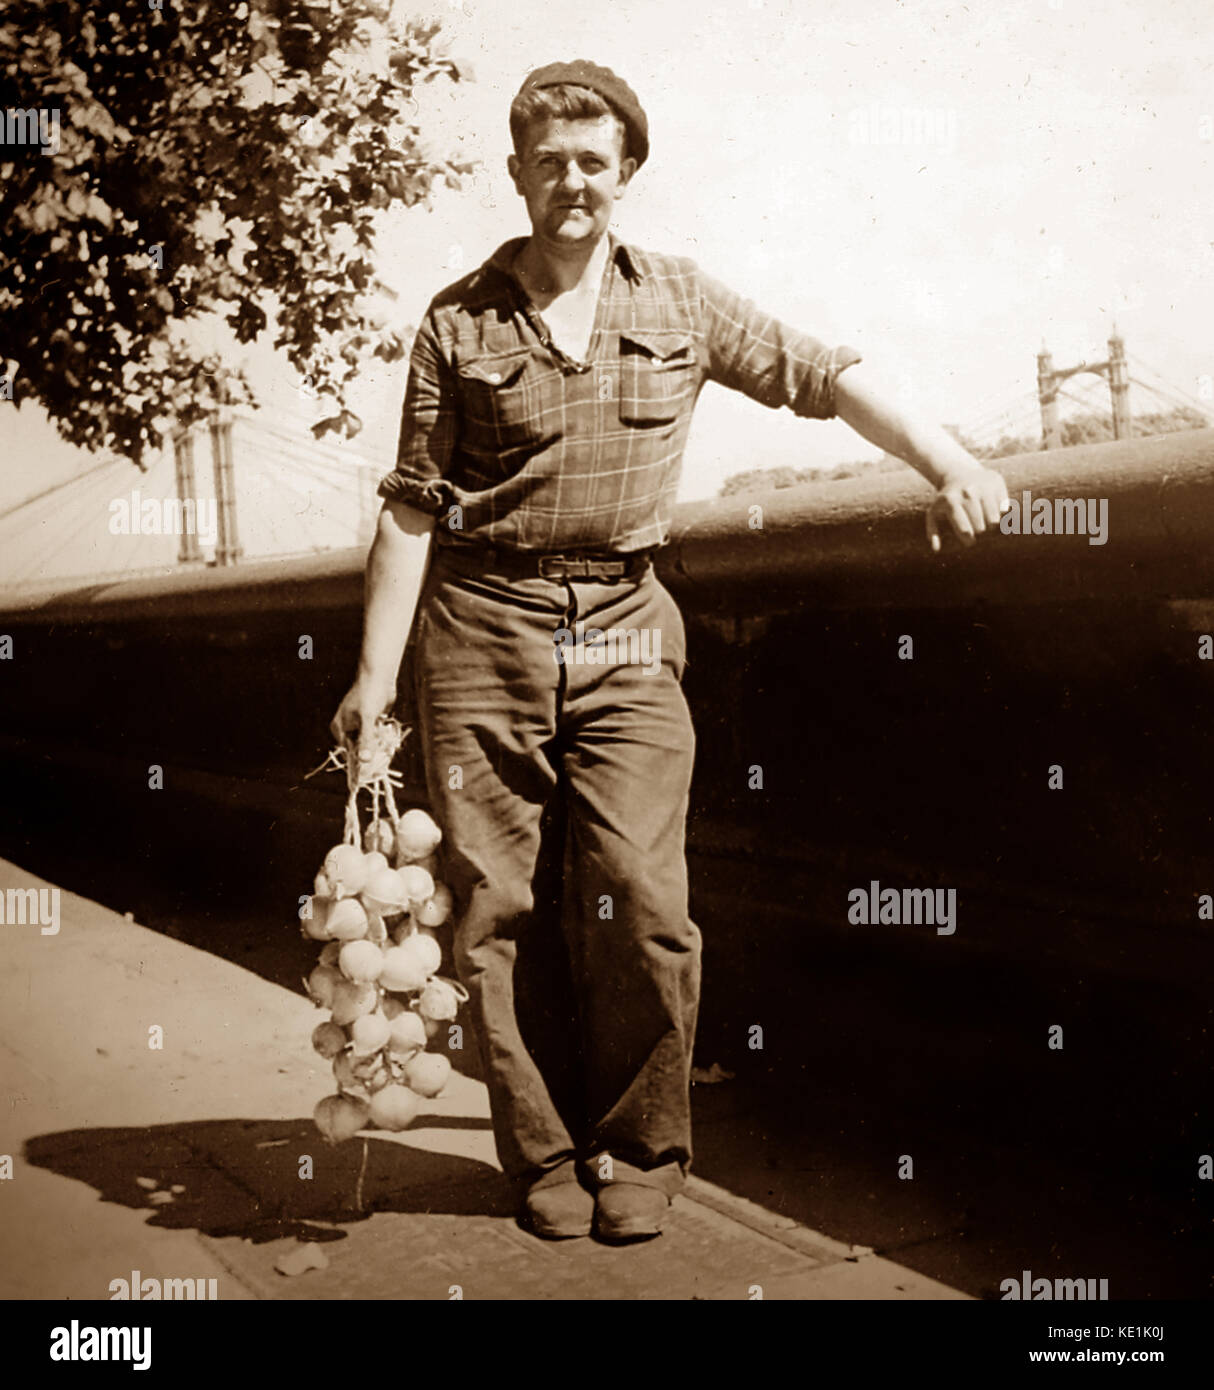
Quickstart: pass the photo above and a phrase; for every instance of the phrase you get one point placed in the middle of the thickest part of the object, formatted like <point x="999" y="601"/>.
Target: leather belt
<point x="523" y="564"/>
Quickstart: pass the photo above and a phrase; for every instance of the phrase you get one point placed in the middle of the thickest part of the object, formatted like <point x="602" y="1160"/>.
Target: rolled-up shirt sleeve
<point x="751" y="352"/>
<point x="429" y="420"/>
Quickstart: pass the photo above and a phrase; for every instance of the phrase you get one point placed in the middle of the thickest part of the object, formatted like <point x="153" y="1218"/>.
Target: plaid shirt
<point x="512" y="443"/>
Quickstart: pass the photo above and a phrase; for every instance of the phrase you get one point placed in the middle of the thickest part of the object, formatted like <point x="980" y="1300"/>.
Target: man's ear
<point x="514" y="168"/>
<point x="628" y="167"/>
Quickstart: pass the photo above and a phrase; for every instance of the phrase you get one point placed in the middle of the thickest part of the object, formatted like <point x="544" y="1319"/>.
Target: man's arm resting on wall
<point x="969" y="496"/>
<point x="396" y="567"/>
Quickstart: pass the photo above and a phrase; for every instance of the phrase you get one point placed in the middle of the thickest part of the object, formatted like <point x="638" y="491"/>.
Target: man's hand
<point x="969" y="497"/>
<point x="969" y="500"/>
<point x="395" y="568"/>
<point x="365" y="701"/>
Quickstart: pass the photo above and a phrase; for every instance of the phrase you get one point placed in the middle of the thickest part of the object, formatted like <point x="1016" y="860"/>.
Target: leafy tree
<point x="765" y="479"/>
<point x="758" y="480"/>
<point x="211" y="158"/>
<point x="1092" y="428"/>
<point x="1095" y="429"/>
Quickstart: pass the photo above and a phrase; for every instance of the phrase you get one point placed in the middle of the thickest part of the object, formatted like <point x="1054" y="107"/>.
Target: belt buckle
<point x="579" y="567"/>
<point x="554" y="566"/>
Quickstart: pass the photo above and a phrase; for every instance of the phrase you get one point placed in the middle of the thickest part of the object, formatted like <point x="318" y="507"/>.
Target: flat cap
<point x="614" y="91"/>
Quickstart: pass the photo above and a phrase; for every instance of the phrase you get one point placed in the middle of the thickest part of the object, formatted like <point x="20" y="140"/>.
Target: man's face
<point x="570" y="174"/>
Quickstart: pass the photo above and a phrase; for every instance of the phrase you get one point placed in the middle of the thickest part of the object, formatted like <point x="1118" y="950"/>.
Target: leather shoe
<point x="627" y="1211"/>
<point x="559" y="1212"/>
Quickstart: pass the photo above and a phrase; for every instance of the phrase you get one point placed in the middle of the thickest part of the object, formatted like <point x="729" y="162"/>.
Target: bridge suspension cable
<point x="1167" y="391"/>
<point x="85" y="495"/>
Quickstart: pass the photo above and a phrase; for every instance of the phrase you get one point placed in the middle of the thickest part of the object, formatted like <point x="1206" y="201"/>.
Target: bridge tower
<point x="183" y="459"/>
<point x="1119" y="387"/>
<point x="1115" y="371"/>
<point x="1047" y="395"/>
<point x="227" y="542"/>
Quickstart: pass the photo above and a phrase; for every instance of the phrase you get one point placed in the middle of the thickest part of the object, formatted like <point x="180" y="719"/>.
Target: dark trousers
<point x="562" y="788"/>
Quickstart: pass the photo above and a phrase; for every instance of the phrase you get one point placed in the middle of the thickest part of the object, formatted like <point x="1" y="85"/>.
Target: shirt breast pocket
<point x="501" y="408"/>
<point x="658" y="369"/>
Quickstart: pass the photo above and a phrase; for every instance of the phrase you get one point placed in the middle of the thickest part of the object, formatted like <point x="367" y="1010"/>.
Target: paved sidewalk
<point x="184" y="1162"/>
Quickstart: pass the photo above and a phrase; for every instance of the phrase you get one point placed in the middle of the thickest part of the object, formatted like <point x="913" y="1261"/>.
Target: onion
<point x="427" y="1073"/>
<point x="345" y="869"/>
<point x="406" y="1034"/>
<point x="425" y="950"/>
<point x="314" y="918"/>
<point x="385" y="893"/>
<point x="322" y="984"/>
<point x="418" y="884"/>
<point x="340" y="1117"/>
<point x="438" y="1001"/>
<point x="347" y="920"/>
<point x="369" y="1034"/>
<point x="394" y="1108"/>
<point x="435" y="910"/>
<point x="361" y="961"/>
<point x="351" y="1001"/>
<point x="416" y="836"/>
<point x="328" y="1039"/>
<point x="402" y="970"/>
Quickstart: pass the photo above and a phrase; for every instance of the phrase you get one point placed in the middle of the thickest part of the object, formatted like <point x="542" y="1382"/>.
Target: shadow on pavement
<point x="241" y="1177"/>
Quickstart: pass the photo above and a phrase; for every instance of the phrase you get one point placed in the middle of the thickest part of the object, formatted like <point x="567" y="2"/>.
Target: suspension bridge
<point x="292" y="496"/>
<point x="1014" y="418"/>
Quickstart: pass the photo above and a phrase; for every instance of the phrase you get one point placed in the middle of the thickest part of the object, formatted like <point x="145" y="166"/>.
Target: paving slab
<point x="187" y="1160"/>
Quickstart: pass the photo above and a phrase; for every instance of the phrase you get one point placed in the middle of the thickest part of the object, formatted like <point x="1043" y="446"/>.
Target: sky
<point x="941" y="186"/>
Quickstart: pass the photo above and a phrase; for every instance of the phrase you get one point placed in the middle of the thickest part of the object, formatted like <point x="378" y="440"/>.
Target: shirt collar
<point x="622" y="254"/>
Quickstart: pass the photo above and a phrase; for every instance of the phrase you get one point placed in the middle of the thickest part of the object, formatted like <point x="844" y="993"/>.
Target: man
<point x="549" y="398"/>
